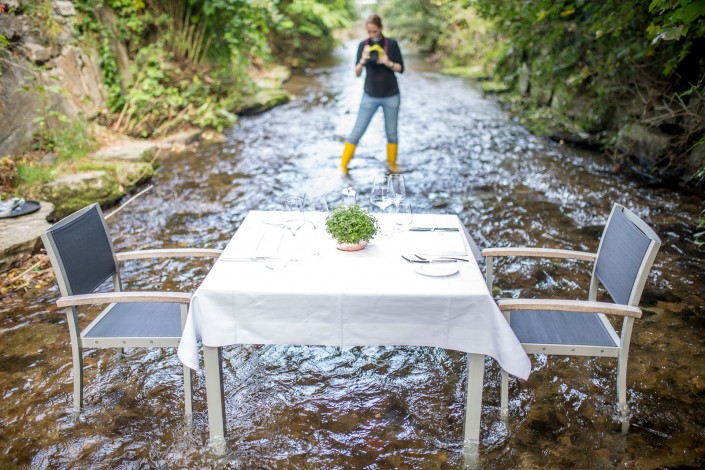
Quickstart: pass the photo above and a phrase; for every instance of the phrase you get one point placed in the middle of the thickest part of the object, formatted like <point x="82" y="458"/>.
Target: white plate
<point x="436" y="269"/>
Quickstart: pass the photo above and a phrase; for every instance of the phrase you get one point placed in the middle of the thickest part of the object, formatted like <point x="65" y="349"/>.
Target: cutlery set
<point x="438" y="259"/>
<point x="433" y="229"/>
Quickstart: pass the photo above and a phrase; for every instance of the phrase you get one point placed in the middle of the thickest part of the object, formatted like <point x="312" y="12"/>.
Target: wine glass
<point x="316" y="211"/>
<point x="380" y="197"/>
<point x="294" y="214"/>
<point x="380" y="193"/>
<point x="397" y="191"/>
<point x="403" y="216"/>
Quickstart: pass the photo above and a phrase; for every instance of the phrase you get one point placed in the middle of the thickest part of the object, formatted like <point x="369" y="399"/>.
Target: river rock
<point x="182" y="138"/>
<point x="37" y="53"/>
<point x="64" y="8"/>
<point x="648" y="144"/>
<point x="75" y="191"/>
<point x="264" y="100"/>
<point x="19" y="236"/>
<point x="133" y="150"/>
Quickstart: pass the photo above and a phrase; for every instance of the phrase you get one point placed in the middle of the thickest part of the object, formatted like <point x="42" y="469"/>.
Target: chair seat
<point x="139" y="320"/>
<point x="556" y="327"/>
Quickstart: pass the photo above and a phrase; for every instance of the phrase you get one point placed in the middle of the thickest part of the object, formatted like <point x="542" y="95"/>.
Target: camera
<point x="375" y="49"/>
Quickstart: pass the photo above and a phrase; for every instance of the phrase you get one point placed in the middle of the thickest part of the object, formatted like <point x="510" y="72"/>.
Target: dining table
<point x="418" y="285"/>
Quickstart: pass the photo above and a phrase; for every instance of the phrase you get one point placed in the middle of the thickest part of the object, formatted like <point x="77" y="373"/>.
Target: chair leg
<point x="188" y="395"/>
<point x="77" y="380"/>
<point x="77" y="358"/>
<point x="622" y="397"/>
<point x="504" y="396"/>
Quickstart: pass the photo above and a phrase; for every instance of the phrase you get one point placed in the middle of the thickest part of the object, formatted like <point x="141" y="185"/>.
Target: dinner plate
<point x="436" y="269"/>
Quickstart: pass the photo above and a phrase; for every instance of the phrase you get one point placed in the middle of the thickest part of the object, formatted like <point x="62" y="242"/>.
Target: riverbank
<point x="114" y="169"/>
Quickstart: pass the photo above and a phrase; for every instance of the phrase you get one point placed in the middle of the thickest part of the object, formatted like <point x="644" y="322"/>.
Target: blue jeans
<point x="368" y="107"/>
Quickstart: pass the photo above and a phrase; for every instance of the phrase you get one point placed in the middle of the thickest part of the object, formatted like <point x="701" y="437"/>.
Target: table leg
<point x="473" y="409"/>
<point x="213" y="364"/>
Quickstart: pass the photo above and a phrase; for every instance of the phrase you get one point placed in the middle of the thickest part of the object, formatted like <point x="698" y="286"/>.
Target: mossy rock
<point x="496" y="87"/>
<point x="105" y="183"/>
<point x="474" y="72"/>
<point x="265" y="99"/>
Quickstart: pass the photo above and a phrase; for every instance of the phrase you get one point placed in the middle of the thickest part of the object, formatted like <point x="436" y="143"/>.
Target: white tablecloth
<point x="371" y="297"/>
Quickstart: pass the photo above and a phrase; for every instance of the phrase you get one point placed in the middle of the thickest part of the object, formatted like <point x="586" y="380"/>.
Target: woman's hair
<point x="375" y="20"/>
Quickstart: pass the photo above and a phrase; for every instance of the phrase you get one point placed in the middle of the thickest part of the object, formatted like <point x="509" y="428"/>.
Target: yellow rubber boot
<point x="348" y="152"/>
<point x="392" y="157"/>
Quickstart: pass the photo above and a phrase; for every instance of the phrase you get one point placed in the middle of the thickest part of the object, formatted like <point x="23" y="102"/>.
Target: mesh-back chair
<point x="581" y="328"/>
<point x="82" y="256"/>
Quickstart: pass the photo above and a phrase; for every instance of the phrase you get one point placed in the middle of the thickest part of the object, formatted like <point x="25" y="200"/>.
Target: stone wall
<point x="40" y="73"/>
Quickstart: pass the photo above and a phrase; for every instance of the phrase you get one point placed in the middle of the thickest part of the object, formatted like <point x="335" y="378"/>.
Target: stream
<point x="374" y="407"/>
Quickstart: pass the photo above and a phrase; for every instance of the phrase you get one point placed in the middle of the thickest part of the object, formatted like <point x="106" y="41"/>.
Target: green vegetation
<point x="32" y="174"/>
<point x="197" y="68"/>
<point x="582" y="69"/>
<point x="351" y="225"/>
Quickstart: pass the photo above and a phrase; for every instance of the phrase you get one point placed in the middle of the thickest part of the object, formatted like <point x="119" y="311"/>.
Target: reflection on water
<point x="321" y="407"/>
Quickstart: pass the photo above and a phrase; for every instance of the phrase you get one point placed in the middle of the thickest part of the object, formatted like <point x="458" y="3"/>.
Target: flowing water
<point x="326" y="407"/>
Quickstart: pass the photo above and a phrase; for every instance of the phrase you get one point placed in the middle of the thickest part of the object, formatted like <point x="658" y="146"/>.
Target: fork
<point x="441" y="258"/>
<point x="410" y="260"/>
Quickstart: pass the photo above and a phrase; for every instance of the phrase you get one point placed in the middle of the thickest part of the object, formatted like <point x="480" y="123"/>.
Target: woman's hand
<point x="365" y="54"/>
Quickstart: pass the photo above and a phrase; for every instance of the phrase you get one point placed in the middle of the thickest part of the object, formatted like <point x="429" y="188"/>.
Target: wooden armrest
<point x="118" y="297"/>
<point x="169" y="253"/>
<point x="569" y="306"/>
<point x="539" y="253"/>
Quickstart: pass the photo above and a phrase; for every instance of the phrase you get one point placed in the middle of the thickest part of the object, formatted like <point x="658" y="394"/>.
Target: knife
<point x="429" y="260"/>
<point x="433" y="229"/>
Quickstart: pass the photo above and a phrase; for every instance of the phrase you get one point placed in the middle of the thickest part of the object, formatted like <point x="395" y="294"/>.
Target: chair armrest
<point x="118" y="297"/>
<point x="569" y="306"/>
<point x="169" y="253"/>
<point x="539" y="253"/>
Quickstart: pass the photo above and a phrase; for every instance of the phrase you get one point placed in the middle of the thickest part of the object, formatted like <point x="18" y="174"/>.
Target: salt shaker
<point x="349" y="197"/>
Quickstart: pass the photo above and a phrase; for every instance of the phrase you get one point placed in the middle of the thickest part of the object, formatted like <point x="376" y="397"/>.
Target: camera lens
<point x="374" y="55"/>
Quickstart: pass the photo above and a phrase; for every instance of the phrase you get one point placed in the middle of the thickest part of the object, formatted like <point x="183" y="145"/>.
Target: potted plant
<point x="351" y="227"/>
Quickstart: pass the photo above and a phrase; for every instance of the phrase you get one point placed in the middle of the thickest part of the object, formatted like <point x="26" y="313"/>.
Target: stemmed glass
<point x="294" y="215"/>
<point x="397" y="191"/>
<point x="381" y="197"/>
<point x="316" y="212"/>
<point x="402" y="216"/>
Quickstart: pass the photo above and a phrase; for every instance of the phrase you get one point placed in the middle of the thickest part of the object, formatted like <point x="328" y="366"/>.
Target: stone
<point x="524" y="82"/>
<point x="127" y="150"/>
<point x="16" y="134"/>
<point x="695" y="161"/>
<point x="37" y="53"/>
<point x="79" y="74"/>
<point x="19" y="236"/>
<point x="64" y="8"/>
<point x="12" y="4"/>
<point x="647" y="144"/>
<point x="264" y="100"/>
<point x="10" y="27"/>
<point x="72" y="192"/>
<point x="183" y="138"/>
